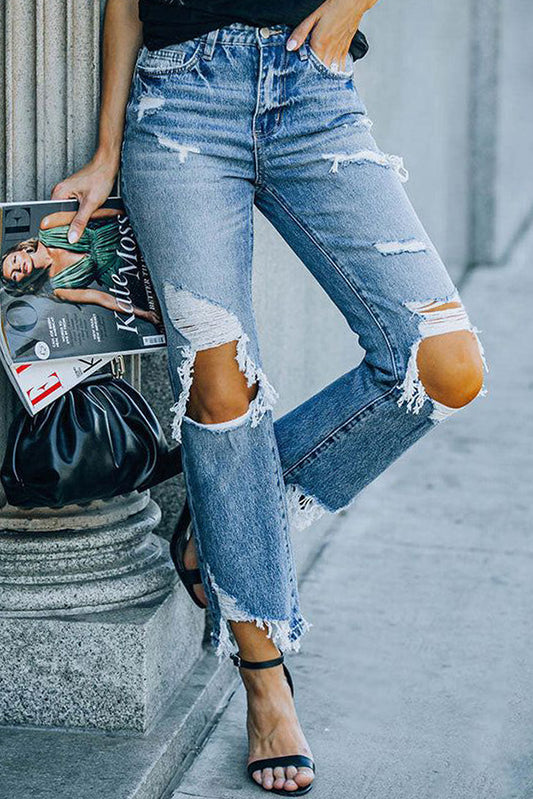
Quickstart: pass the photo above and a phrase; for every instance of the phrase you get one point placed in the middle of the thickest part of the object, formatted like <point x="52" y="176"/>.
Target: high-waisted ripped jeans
<point x="215" y="125"/>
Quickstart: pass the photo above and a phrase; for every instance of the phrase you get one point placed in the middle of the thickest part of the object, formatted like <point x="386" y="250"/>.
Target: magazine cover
<point x="39" y="383"/>
<point x="72" y="300"/>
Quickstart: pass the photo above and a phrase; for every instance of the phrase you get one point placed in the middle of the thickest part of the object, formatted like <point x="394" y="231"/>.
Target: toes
<point x="268" y="778"/>
<point x="291" y="772"/>
<point x="289" y="779"/>
<point x="290" y="785"/>
<point x="304" y="776"/>
<point x="279" y="777"/>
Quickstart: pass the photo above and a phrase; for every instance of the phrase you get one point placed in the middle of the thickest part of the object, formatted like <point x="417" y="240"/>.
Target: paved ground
<point x="417" y="677"/>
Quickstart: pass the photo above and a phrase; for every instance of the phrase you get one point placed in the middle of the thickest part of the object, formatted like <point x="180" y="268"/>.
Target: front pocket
<point x="175" y="58"/>
<point x="317" y="62"/>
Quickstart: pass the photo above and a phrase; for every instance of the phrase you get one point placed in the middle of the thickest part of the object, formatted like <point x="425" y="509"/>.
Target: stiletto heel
<point x="178" y="544"/>
<point x="285" y="760"/>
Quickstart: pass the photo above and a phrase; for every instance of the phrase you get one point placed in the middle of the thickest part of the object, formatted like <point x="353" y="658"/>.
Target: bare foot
<point x="190" y="561"/>
<point x="274" y="729"/>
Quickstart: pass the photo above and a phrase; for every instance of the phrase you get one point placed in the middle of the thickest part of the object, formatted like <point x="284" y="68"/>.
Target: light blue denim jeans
<point x="215" y="125"/>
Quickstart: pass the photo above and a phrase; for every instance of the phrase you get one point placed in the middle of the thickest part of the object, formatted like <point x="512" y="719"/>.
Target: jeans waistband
<point x="240" y="33"/>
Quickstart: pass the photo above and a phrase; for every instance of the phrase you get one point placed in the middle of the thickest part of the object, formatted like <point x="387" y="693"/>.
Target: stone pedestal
<point x="94" y="631"/>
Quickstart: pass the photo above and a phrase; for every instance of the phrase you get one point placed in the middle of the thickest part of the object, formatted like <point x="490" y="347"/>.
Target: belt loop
<point x="209" y="45"/>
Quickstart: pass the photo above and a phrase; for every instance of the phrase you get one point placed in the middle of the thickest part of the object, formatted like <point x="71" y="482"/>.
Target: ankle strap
<point x="253" y="664"/>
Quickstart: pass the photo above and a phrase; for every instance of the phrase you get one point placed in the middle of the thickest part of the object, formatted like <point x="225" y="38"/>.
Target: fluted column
<point x="85" y="591"/>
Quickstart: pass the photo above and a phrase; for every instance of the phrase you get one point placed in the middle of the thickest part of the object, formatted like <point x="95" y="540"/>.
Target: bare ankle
<point x="265" y="684"/>
<point x="253" y="642"/>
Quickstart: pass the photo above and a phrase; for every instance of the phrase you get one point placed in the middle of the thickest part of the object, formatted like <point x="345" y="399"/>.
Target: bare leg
<point x="273" y="726"/>
<point x="220" y="393"/>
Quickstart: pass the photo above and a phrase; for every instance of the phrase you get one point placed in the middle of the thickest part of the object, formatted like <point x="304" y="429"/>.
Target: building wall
<point x="514" y="125"/>
<point x="415" y="83"/>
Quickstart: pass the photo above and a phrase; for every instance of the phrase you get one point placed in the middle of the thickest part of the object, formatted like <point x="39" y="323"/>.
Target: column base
<point x="95" y="630"/>
<point x="114" y="670"/>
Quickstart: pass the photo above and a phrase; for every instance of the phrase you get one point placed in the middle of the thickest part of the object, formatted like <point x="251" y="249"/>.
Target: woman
<point x="63" y="270"/>
<point x="232" y="106"/>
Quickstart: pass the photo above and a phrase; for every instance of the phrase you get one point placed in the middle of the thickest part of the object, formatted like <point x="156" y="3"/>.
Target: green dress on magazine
<point x="99" y="262"/>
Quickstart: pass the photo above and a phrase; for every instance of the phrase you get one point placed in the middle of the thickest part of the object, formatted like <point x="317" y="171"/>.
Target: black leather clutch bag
<point x="97" y="441"/>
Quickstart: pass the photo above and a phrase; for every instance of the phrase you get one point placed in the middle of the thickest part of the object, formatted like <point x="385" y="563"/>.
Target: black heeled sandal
<point x="285" y="760"/>
<point x="178" y="544"/>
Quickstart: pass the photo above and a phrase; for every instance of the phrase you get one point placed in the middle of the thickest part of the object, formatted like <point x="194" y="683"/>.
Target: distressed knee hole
<point x="446" y="363"/>
<point x="220" y="396"/>
<point x="206" y="325"/>
<point x="450" y="368"/>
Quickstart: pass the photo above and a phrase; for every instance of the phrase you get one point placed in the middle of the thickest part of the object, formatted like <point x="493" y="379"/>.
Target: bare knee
<point x="451" y="368"/>
<point x="217" y="373"/>
<point x="219" y="392"/>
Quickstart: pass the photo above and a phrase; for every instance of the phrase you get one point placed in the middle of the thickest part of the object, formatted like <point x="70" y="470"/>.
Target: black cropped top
<point x="168" y="22"/>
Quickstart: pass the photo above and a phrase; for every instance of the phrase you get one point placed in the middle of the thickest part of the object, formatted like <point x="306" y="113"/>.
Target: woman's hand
<point x="333" y="27"/>
<point x="91" y="186"/>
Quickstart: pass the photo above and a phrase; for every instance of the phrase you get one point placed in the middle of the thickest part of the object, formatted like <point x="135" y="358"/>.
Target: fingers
<point x="90" y="186"/>
<point x="301" y="32"/>
<point x="332" y="52"/>
<point x="62" y="191"/>
<point x="79" y="223"/>
<point x="333" y="55"/>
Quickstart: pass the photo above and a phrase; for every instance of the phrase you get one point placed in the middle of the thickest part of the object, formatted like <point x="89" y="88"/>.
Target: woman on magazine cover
<point x="226" y="105"/>
<point x="55" y="267"/>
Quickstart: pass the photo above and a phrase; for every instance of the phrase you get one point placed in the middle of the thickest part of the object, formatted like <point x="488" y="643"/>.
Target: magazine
<point x="71" y="300"/>
<point x="39" y="383"/>
<point x="66" y="310"/>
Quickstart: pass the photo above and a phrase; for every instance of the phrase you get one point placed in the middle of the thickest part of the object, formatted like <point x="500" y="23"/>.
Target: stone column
<point x="92" y="625"/>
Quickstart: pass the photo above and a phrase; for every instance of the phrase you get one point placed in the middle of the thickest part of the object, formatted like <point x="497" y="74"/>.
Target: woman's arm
<point x="92" y="185"/>
<point x="104" y="300"/>
<point x="333" y="27"/>
<point x="60" y="218"/>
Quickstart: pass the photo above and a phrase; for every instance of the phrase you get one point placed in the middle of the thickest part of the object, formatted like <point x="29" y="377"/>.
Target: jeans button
<point x="265" y="32"/>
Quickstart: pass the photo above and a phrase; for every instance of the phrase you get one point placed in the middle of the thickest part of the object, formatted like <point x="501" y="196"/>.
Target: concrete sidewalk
<point x="417" y="678"/>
